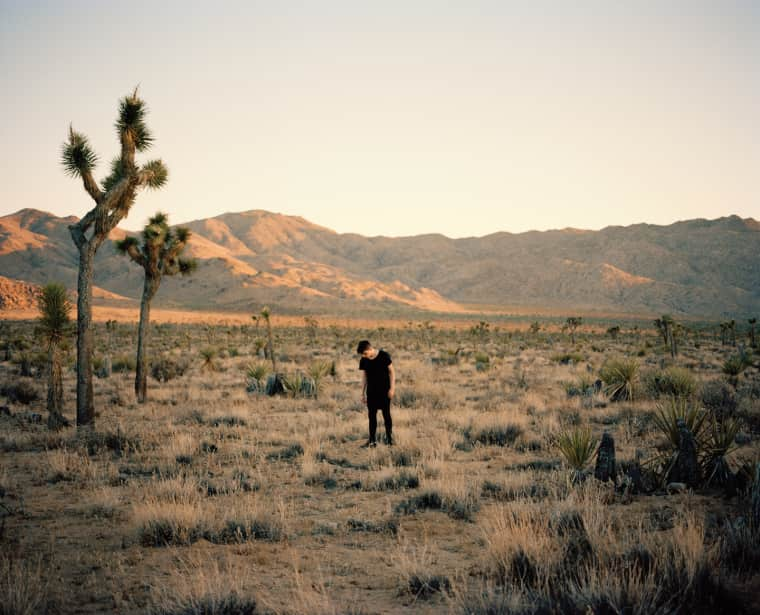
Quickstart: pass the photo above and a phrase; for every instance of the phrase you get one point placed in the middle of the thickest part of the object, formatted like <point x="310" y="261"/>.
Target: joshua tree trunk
<point x="141" y="378"/>
<point x="85" y="402"/>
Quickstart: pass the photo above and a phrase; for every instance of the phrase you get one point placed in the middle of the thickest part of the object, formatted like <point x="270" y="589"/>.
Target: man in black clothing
<point x="378" y="388"/>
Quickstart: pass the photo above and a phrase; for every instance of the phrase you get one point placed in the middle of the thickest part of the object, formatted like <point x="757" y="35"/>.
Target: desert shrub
<point x="227" y="420"/>
<point x="482" y="361"/>
<point x="165" y="369"/>
<point x="384" y="527"/>
<point x="118" y="442"/>
<point x="21" y="392"/>
<point x="289" y="452"/>
<point x="423" y="584"/>
<point x="496" y="435"/>
<point x="670" y="382"/>
<point x="247" y="529"/>
<point x="23" y="585"/>
<point x="718" y="398"/>
<point x="734" y="366"/>
<point x="620" y="377"/>
<point x="456" y="504"/>
<point x="406" y="398"/>
<point x="123" y="364"/>
<point x="583" y="385"/>
<point x="565" y="358"/>
<point x="505" y="493"/>
<point x="230" y="604"/>
<point x="739" y="548"/>
<point x="394" y="481"/>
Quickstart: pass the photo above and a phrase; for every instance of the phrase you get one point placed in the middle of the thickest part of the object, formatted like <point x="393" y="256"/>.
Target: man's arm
<point x="364" y="386"/>
<point x="392" y="376"/>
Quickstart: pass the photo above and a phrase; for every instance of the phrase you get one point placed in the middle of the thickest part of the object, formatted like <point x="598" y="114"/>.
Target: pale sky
<point x="395" y="117"/>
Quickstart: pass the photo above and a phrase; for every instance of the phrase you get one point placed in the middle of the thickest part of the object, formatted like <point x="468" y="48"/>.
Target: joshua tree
<point x="667" y="328"/>
<point x="572" y="324"/>
<point x="113" y="198"/>
<point x="54" y="325"/>
<point x="158" y="255"/>
<point x="265" y="314"/>
<point x="752" y="322"/>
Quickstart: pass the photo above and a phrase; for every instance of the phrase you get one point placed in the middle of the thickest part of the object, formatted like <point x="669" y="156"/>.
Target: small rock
<point x="676" y="488"/>
<point x="5" y="411"/>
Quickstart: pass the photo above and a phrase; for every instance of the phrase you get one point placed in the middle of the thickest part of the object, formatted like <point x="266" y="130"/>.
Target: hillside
<point x="698" y="267"/>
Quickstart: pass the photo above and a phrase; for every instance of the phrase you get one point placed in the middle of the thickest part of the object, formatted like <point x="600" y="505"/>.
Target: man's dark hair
<point x="363" y="345"/>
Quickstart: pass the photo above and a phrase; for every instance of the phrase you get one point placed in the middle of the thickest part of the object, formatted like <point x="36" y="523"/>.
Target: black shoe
<point x="369" y="444"/>
<point x="389" y="440"/>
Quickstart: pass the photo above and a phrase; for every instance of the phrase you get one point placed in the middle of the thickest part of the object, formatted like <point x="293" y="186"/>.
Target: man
<point x="379" y="386"/>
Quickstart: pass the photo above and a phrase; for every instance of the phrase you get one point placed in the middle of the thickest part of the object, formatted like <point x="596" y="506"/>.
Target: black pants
<point x="373" y="405"/>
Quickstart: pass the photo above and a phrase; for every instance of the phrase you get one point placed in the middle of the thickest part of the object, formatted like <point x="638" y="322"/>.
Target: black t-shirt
<point x="378" y="378"/>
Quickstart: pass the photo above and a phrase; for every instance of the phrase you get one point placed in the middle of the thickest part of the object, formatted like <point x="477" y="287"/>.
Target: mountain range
<point x="701" y="268"/>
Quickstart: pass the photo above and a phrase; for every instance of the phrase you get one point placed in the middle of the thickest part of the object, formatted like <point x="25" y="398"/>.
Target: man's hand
<point x="364" y="398"/>
<point x="391" y="392"/>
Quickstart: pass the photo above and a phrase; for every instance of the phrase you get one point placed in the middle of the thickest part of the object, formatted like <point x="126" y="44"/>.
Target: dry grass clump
<point x="391" y="479"/>
<point x="204" y="586"/>
<point x="185" y="521"/>
<point x="414" y="565"/>
<point x="456" y="495"/>
<point x="500" y="428"/>
<point x="24" y="585"/>
<point x="549" y="561"/>
<point x="72" y="466"/>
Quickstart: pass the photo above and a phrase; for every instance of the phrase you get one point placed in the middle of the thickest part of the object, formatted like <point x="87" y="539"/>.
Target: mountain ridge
<point x="691" y="267"/>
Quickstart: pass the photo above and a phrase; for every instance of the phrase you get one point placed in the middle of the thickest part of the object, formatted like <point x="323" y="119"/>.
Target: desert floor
<point x="211" y="498"/>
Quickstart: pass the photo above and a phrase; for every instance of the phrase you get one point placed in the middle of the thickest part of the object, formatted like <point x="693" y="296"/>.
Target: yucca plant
<point x="255" y="372"/>
<point x="666" y="419"/>
<point x="719" y="443"/>
<point x="733" y="367"/>
<point x="577" y="446"/>
<point x="621" y="378"/>
<point x="669" y="413"/>
<point x="318" y="370"/>
<point x="293" y="384"/>
<point x="54" y="325"/>
<point x="208" y="355"/>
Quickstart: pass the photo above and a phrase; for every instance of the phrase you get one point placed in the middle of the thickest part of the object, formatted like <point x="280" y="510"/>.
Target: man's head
<point x="365" y="349"/>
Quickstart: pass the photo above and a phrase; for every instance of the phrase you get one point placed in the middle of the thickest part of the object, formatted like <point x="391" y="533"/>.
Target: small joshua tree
<point x="54" y="325"/>
<point x="113" y="198"/>
<point x="266" y="315"/>
<point x="572" y="324"/>
<point x="752" y="342"/>
<point x="159" y="256"/>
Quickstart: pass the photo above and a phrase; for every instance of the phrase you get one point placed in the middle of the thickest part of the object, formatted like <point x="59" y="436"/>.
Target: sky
<point x="395" y="118"/>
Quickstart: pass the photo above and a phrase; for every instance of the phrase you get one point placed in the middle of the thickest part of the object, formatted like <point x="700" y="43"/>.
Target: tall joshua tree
<point x="159" y="256"/>
<point x="54" y="325"/>
<point x="113" y="198"/>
